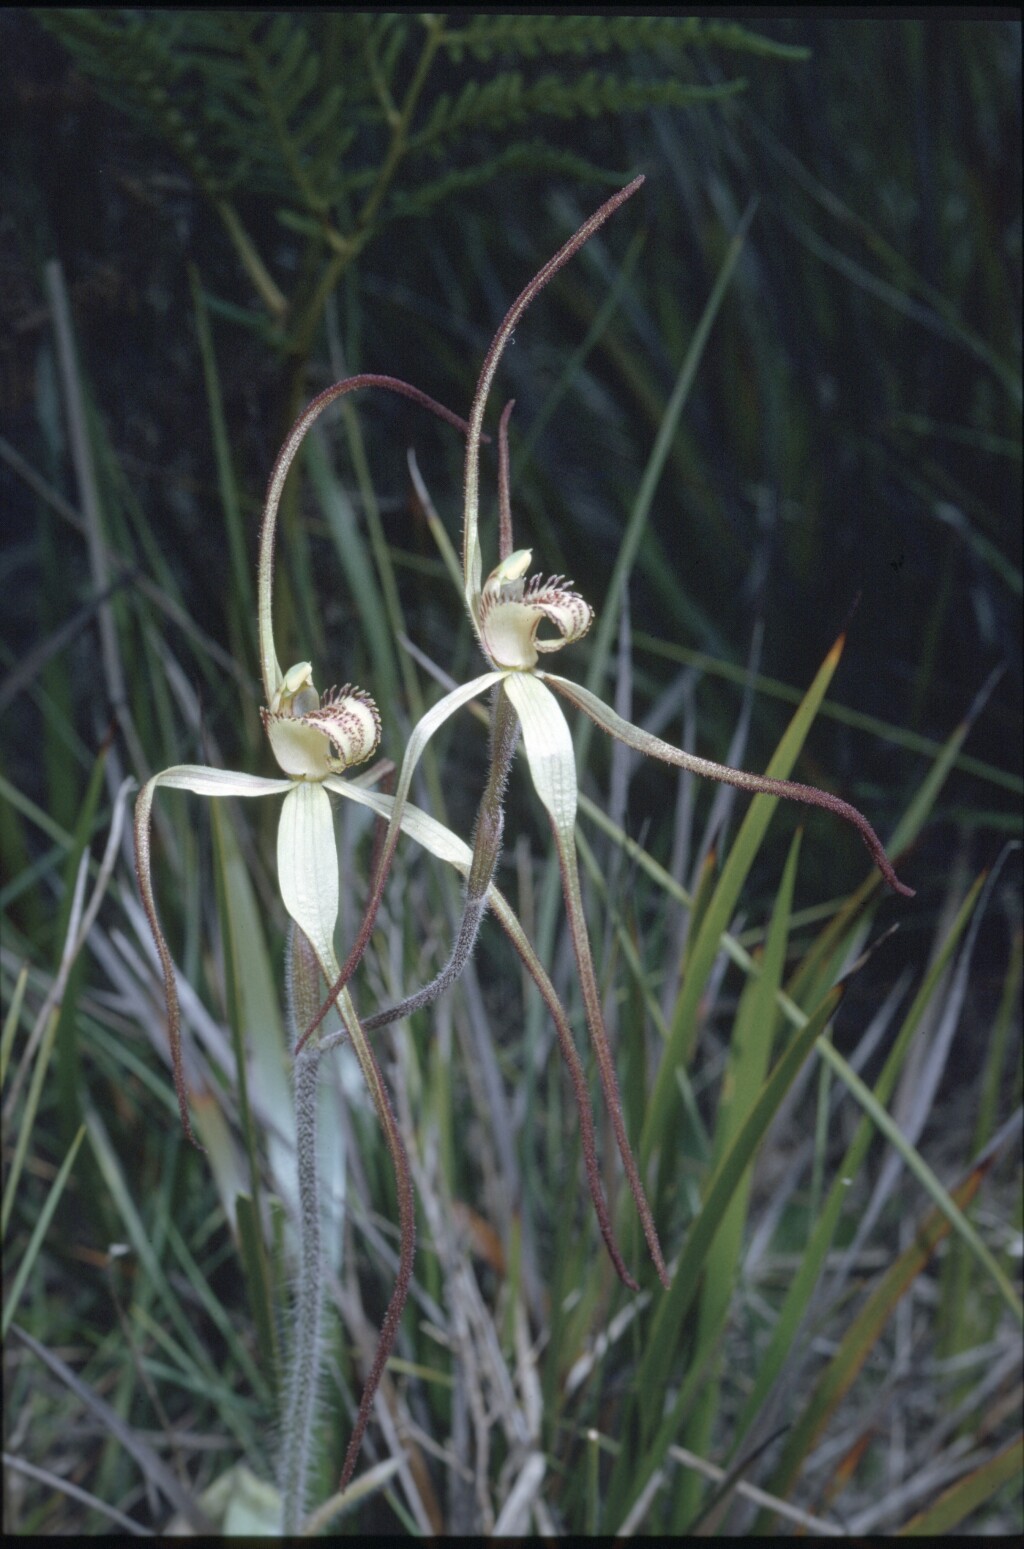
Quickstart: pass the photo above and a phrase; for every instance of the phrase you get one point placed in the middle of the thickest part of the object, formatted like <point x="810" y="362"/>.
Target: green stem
<point x="251" y="261"/>
<point x="400" y="133"/>
<point x="348" y="247"/>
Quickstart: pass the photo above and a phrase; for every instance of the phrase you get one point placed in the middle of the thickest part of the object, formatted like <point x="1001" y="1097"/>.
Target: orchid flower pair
<point x="317" y="740"/>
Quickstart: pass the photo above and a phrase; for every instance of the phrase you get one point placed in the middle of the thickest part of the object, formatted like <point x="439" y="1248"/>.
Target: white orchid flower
<point x="513" y="618"/>
<point x="314" y="741"/>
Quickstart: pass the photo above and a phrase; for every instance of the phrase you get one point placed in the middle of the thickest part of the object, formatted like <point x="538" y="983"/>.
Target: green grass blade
<point x="926" y="1177"/>
<point x="744" y="1076"/>
<point x="241" y="593"/>
<point x="683" y="1031"/>
<point x="31" y="1253"/>
<point x="798" y="1296"/>
<point x="27" y="1119"/>
<point x="669" y="1323"/>
<point x="363" y="589"/>
<point x="858" y="720"/>
<point x="861" y="1338"/>
<point x="964" y="1497"/>
<point x="608" y="620"/>
<point x="253" y="1254"/>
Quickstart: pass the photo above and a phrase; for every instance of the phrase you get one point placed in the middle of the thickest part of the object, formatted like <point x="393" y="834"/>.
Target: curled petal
<point x="352" y="721"/>
<point x="511" y="612"/>
<point x="568" y="611"/>
<point x="332" y="736"/>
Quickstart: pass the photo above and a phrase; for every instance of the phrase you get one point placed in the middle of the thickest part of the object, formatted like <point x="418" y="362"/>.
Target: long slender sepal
<point x="472" y="569"/>
<point x="440" y="841"/>
<point x="653" y="747"/>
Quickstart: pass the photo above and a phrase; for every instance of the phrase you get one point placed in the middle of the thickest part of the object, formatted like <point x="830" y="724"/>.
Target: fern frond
<point x="525" y="155"/>
<point x="509" y="99"/>
<point x="341" y="119"/>
<point x="526" y="37"/>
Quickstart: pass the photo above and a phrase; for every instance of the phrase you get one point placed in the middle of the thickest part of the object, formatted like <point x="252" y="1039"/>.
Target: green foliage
<point x="340" y="119"/>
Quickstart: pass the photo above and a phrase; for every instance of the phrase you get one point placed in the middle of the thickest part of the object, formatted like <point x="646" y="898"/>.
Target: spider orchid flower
<point x="513" y="618"/>
<point x="315" y="740"/>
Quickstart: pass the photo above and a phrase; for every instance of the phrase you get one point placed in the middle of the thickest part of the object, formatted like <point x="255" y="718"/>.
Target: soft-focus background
<point x="231" y="211"/>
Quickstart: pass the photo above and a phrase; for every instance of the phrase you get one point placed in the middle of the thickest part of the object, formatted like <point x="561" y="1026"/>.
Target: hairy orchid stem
<point x="271" y="667"/>
<point x="406" y="1253"/>
<point x="505" y="543"/>
<point x="487" y="834"/>
<point x="303" y="980"/>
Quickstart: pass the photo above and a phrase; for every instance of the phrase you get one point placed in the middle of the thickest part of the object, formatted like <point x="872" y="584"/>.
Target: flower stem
<point x="269" y="663"/>
<point x="406" y="1229"/>
<point x="303" y="987"/>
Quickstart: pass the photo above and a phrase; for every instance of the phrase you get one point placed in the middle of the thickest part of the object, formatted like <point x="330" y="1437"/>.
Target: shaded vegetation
<point x="239" y="217"/>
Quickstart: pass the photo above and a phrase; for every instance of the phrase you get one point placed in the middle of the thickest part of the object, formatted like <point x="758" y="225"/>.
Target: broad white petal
<point x="307" y="868"/>
<point x="548" y="744"/>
